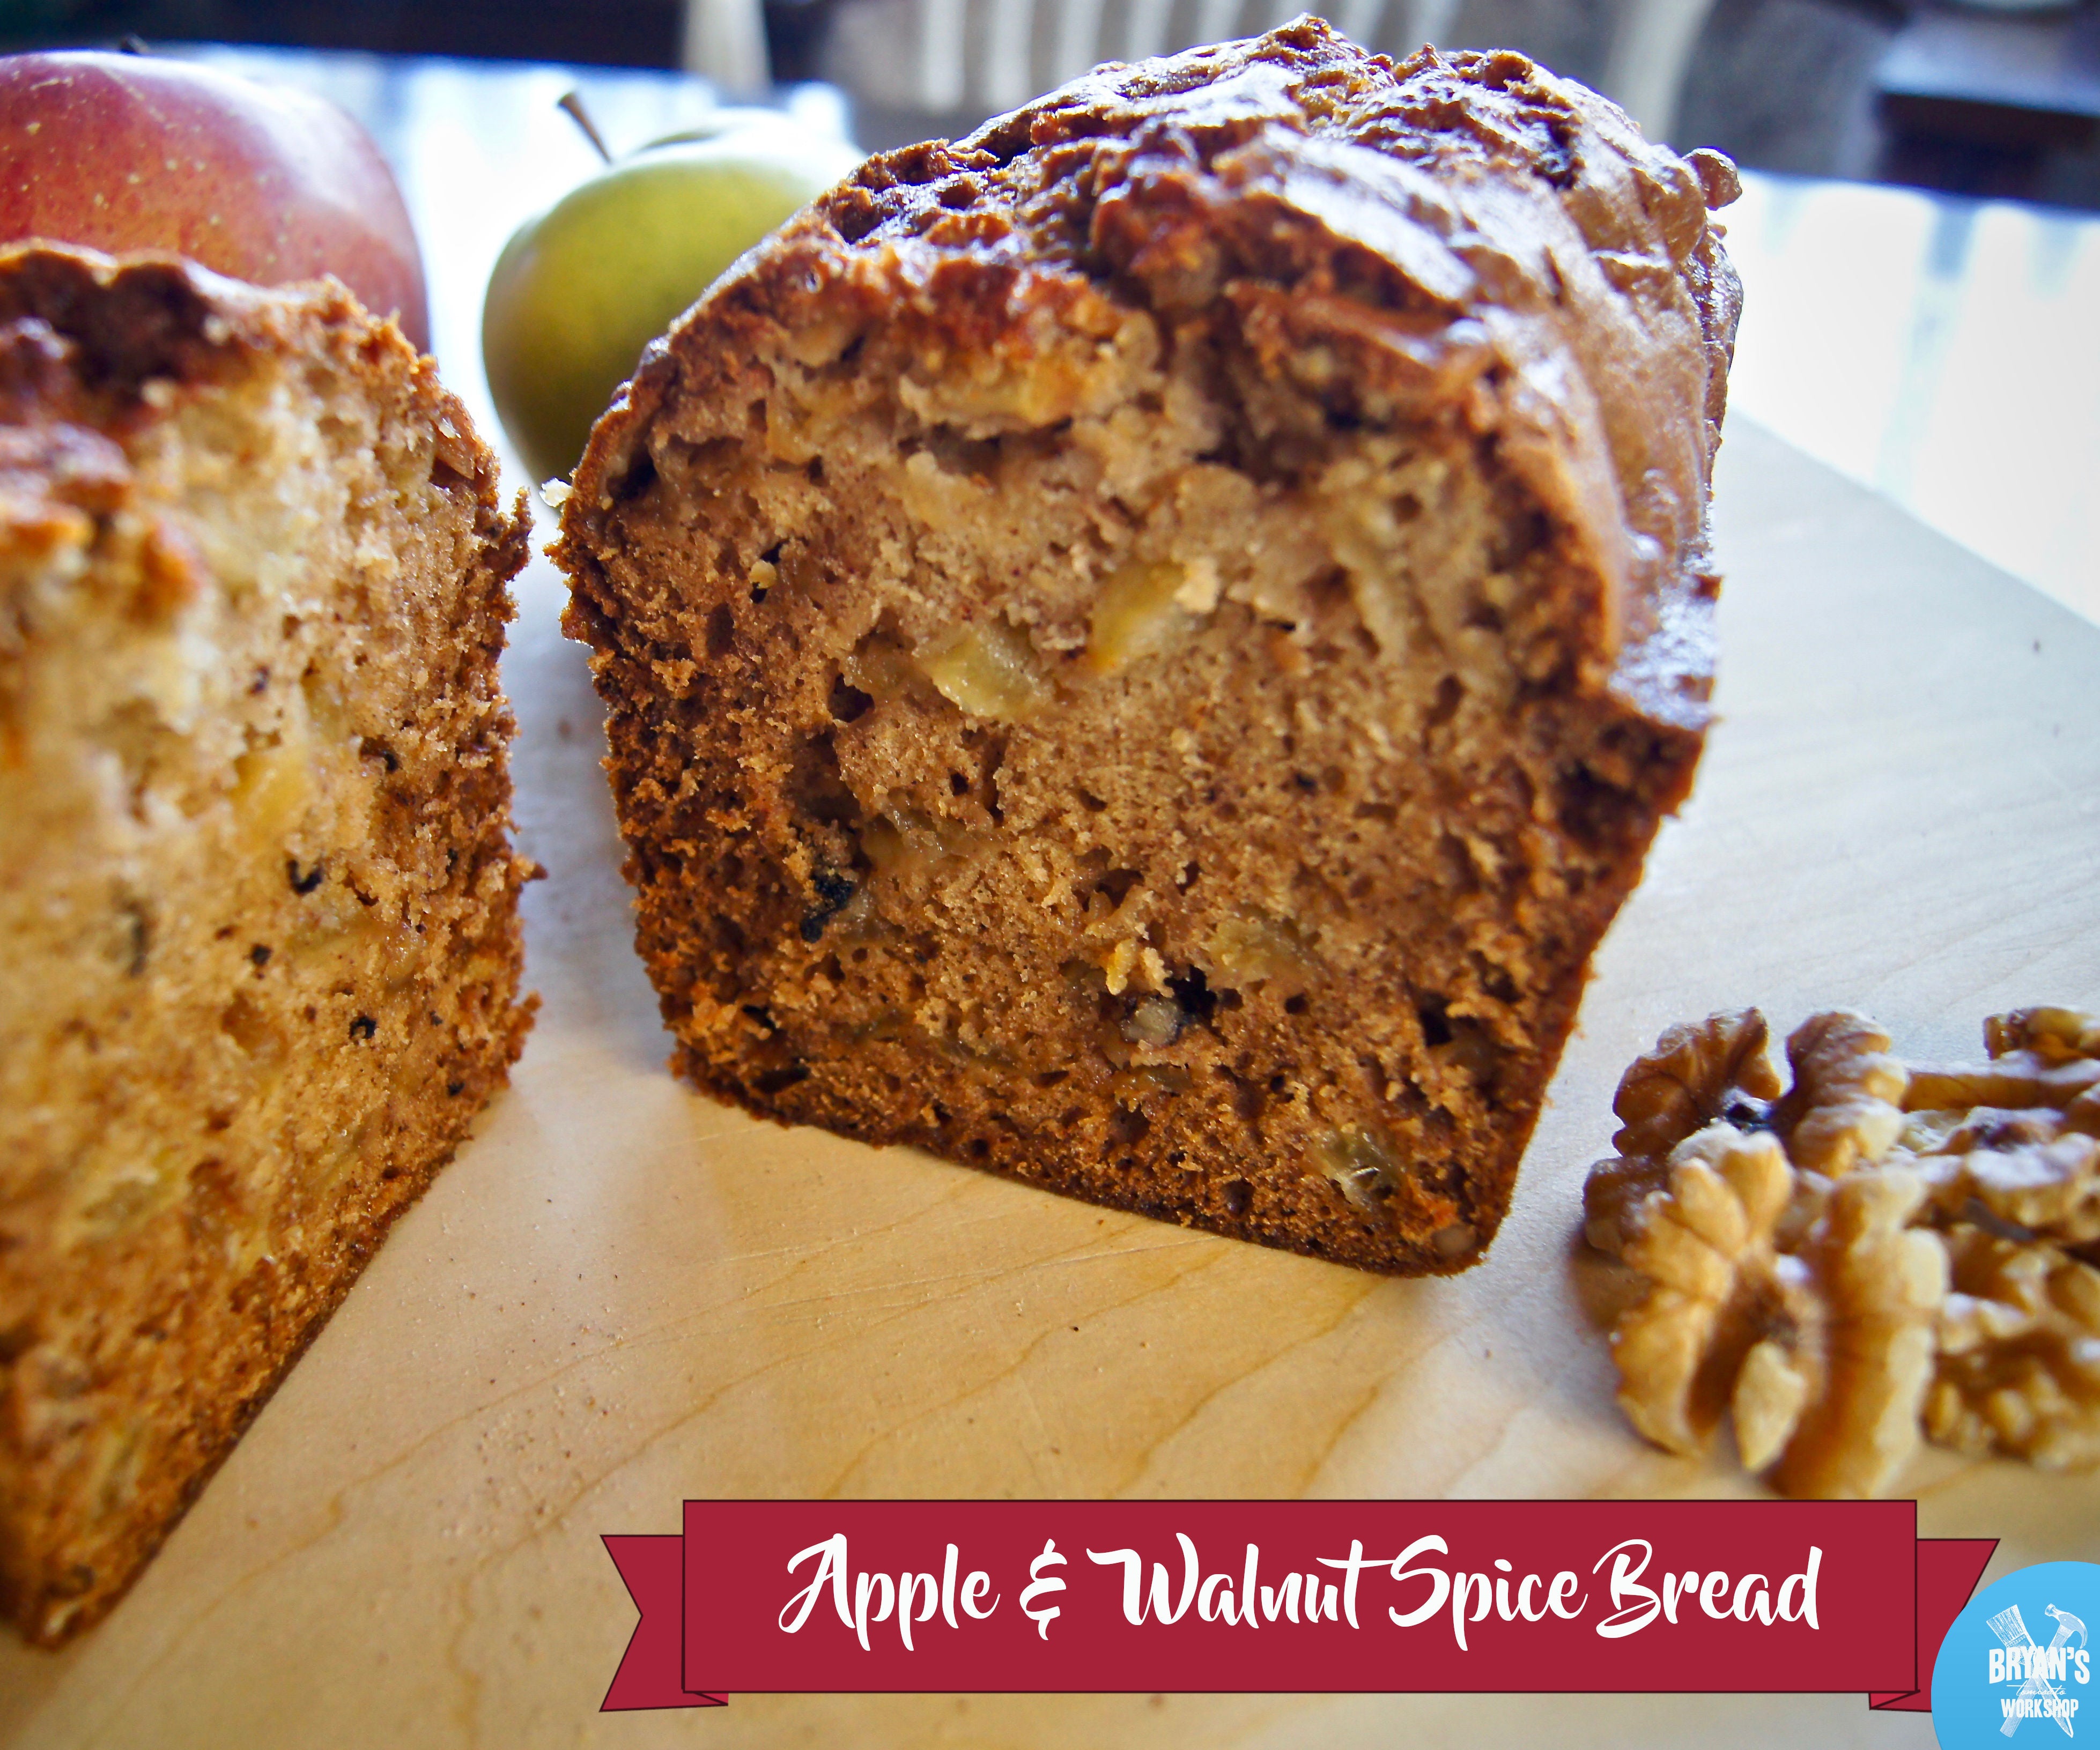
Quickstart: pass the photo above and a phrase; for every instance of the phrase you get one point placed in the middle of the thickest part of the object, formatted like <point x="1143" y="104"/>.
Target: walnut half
<point x="1703" y="1242"/>
<point x="1844" y="1108"/>
<point x="2040" y="1058"/>
<point x="2020" y="1353"/>
<point x="1823" y="1356"/>
<point x="2028" y="1188"/>
<point x="1697" y="1073"/>
<point x="1857" y="1349"/>
<point x="1845" y="1105"/>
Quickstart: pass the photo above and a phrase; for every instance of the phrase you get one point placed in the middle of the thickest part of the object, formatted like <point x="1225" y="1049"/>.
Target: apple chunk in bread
<point x="1144" y="649"/>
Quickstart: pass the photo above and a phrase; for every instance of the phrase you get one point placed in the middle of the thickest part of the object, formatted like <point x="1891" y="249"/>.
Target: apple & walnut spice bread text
<point x="1144" y="648"/>
<point x="1882" y="1254"/>
<point x="259" y="947"/>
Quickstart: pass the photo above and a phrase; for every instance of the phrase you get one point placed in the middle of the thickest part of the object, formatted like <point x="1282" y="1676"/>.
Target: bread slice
<point x="1144" y="649"/>
<point x="259" y="948"/>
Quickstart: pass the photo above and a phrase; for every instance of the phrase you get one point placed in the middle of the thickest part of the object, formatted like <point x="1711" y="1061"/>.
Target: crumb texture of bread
<point x="1144" y="648"/>
<point x="259" y="945"/>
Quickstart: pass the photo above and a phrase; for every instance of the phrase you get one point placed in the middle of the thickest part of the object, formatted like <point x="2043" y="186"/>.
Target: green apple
<point x="580" y="290"/>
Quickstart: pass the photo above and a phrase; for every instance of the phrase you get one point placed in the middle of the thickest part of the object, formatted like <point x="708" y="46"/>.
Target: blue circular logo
<point x="2016" y="1668"/>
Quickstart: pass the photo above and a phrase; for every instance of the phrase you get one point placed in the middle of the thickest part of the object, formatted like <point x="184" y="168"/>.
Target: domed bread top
<point x="1463" y="228"/>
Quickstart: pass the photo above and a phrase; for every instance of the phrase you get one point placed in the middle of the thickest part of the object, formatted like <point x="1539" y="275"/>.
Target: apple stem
<point x="573" y="102"/>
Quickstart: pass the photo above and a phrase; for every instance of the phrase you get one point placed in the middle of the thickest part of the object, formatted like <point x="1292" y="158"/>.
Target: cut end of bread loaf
<point x="260" y="946"/>
<point x="1144" y="649"/>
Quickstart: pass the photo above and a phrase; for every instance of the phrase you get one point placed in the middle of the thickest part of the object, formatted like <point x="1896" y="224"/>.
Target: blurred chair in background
<point x="916" y="68"/>
<point x="1976" y="97"/>
<point x="724" y="40"/>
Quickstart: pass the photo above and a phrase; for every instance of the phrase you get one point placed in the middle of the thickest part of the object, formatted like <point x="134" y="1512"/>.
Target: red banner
<point x="814" y="1597"/>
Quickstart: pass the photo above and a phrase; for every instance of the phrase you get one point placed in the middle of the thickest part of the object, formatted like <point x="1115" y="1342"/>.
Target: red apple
<point x="263" y="183"/>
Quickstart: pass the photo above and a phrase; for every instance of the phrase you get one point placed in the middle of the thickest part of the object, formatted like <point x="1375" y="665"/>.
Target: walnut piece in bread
<point x="260" y="946"/>
<point x="1145" y="647"/>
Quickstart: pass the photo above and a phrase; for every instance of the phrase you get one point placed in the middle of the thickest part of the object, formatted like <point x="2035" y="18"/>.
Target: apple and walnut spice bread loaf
<point x="1144" y="648"/>
<point x="260" y="946"/>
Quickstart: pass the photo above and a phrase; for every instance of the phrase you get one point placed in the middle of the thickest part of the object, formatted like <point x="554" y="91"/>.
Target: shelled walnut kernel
<point x="1704" y="1241"/>
<point x="2020" y="1353"/>
<point x="1845" y="1105"/>
<point x="1799" y="1254"/>
<point x="1695" y="1075"/>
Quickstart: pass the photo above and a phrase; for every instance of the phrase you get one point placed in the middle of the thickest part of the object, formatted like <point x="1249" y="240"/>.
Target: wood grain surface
<point x="622" y="1294"/>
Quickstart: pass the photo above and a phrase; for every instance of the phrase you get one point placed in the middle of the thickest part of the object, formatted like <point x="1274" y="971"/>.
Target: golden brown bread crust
<point x="1125" y="785"/>
<point x="259" y="943"/>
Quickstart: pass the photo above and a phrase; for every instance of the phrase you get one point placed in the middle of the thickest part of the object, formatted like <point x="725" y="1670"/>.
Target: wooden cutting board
<point x="622" y="1294"/>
